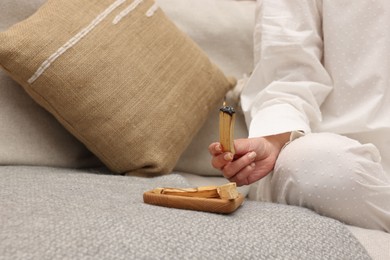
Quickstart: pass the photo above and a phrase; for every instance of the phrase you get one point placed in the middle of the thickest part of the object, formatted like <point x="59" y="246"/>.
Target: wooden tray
<point x="213" y="205"/>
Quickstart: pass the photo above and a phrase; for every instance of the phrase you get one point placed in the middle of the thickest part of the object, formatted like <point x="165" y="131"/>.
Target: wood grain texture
<point x="226" y="128"/>
<point x="226" y="191"/>
<point x="214" y="205"/>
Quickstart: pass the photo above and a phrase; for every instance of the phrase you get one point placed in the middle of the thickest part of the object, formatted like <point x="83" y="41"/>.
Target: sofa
<point x="58" y="200"/>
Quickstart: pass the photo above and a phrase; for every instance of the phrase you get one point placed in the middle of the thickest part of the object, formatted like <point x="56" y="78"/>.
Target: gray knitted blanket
<point x="48" y="213"/>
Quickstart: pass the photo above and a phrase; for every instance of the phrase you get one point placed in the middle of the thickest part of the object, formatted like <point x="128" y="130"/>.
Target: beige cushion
<point x="119" y="76"/>
<point x="224" y="30"/>
<point x="28" y="134"/>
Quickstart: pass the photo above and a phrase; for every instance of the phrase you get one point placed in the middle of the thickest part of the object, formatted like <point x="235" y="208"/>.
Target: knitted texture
<point x="119" y="75"/>
<point x="49" y="213"/>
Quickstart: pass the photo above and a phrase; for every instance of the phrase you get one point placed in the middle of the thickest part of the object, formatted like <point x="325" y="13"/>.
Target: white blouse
<point x="322" y="66"/>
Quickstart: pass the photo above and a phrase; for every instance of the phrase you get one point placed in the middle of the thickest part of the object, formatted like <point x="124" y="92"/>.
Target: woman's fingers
<point x="242" y="146"/>
<point x="231" y="169"/>
<point x="220" y="161"/>
<point x="215" y="149"/>
<point x="241" y="167"/>
<point x="246" y="145"/>
<point x="243" y="176"/>
<point x="250" y="174"/>
<point x="254" y="159"/>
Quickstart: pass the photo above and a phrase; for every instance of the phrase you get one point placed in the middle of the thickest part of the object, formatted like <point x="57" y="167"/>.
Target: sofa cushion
<point x="118" y="75"/>
<point x="49" y="213"/>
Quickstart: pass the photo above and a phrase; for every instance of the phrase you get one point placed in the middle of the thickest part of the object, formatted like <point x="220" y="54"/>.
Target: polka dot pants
<point x="333" y="175"/>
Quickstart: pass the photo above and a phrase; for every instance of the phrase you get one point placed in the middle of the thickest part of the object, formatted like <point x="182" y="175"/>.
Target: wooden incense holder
<point x="217" y="199"/>
<point x="226" y="128"/>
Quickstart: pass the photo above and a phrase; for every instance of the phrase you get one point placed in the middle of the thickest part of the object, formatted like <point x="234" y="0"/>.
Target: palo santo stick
<point x="201" y="192"/>
<point x="227" y="191"/>
<point x="226" y="128"/>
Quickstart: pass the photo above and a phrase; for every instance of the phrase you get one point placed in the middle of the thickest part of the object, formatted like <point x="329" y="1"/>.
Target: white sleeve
<point x="289" y="82"/>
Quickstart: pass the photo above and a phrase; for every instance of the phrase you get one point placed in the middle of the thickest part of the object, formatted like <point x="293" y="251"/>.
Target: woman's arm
<point x="289" y="83"/>
<point x="285" y="91"/>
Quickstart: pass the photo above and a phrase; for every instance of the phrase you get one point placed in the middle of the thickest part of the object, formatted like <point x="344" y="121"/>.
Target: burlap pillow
<point x="118" y="75"/>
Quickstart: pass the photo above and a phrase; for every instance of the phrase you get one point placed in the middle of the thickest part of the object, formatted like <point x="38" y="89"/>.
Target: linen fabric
<point x="322" y="68"/>
<point x="320" y="71"/>
<point x="343" y="180"/>
<point x="119" y="76"/>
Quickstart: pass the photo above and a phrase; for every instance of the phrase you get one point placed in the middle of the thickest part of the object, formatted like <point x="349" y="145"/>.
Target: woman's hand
<point x="254" y="158"/>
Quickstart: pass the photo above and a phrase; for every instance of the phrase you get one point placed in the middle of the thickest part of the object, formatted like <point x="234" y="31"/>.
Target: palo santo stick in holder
<point x="217" y="199"/>
<point x="227" y="191"/>
<point x="227" y="117"/>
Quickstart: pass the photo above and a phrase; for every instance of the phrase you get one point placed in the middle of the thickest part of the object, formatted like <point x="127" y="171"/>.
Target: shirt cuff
<point x="278" y="119"/>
